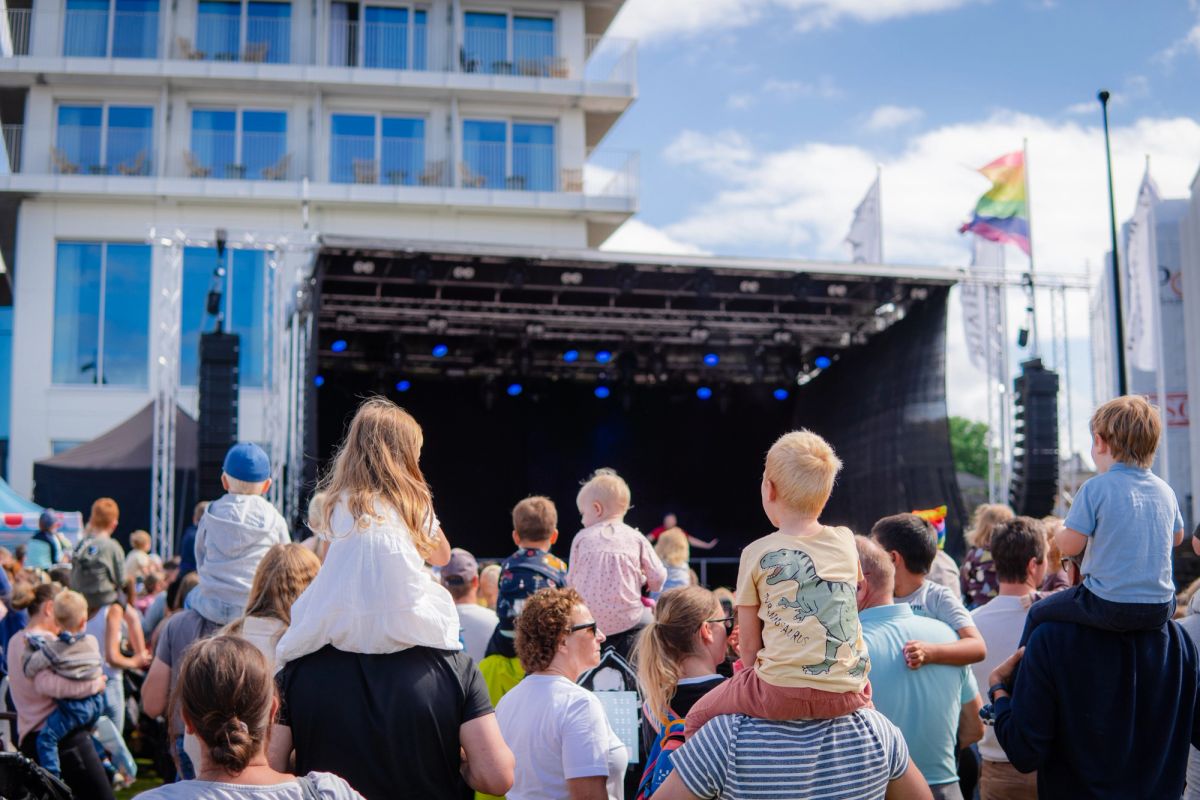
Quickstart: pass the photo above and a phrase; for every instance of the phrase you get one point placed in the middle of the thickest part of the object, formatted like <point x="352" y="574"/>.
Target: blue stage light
<point x="440" y="350"/>
<point x="571" y="356"/>
<point x="780" y="394"/>
<point x="601" y="392"/>
<point x="338" y="346"/>
<point x="823" y="362"/>
<point x="514" y="389"/>
<point x="319" y="381"/>
<point x="603" y="356"/>
<point x="704" y="393"/>
<point x="403" y="386"/>
<point x="711" y="359"/>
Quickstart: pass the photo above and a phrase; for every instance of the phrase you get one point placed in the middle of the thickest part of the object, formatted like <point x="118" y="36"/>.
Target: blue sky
<point x="760" y="122"/>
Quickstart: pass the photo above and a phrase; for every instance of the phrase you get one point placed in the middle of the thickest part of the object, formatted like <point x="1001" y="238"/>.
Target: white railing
<point x="531" y="53"/>
<point x="134" y="34"/>
<point x="218" y="38"/>
<point x="261" y="157"/>
<point x="610" y="60"/>
<point x="13" y="136"/>
<point x="18" y="30"/>
<point x="89" y="150"/>
<point x="390" y="161"/>
<point x="611" y="173"/>
<point x="521" y="167"/>
<point x="268" y="39"/>
<point x="378" y="45"/>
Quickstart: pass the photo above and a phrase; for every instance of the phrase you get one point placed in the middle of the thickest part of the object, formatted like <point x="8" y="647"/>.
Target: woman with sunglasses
<point x="557" y="730"/>
<point x="678" y="655"/>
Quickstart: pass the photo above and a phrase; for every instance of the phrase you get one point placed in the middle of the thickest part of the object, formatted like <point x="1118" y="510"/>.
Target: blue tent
<point x="19" y="519"/>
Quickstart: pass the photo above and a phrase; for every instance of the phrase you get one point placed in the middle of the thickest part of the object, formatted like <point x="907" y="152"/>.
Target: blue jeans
<point x="1080" y="606"/>
<point x="69" y="715"/>
<point x="187" y="771"/>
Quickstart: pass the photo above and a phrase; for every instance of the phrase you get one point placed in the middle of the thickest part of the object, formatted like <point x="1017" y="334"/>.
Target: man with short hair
<point x="460" y="576"/>
<point x="48" y="525"/>
<point x="1019" y="554"/>
<point x="936" y="706"/>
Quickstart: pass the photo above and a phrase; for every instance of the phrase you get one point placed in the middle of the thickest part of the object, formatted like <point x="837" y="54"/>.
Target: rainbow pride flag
<point x="1002" y="214"/>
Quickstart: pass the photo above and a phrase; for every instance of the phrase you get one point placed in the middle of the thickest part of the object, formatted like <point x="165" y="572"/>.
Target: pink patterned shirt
<point x="609" y="563"/>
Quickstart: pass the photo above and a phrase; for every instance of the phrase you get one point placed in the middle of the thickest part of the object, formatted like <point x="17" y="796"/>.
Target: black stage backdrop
<point x="882" y="406"/>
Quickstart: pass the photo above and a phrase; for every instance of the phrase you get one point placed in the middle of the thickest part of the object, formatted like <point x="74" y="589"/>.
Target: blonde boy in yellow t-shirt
<point x="801" y="642"/>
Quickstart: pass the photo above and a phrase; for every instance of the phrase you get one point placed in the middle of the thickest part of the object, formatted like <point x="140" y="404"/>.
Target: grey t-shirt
<point x="178" y="633"/>
<point x="937" y="602"/>
<point x="328" y="786"/>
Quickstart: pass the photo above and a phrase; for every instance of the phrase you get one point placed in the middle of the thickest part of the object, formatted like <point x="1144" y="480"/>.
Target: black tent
<point x="117" y="464"/>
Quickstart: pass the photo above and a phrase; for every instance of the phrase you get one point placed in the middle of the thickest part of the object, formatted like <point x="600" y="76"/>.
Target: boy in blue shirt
<point x="1128" y="520"/>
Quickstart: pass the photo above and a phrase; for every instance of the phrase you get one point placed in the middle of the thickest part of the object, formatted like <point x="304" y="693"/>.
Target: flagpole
<point x="1160" y="378"/>
<point x="1118" y="321"/>
<point x="1033" y="324"/>
<point x="879" y="207"/>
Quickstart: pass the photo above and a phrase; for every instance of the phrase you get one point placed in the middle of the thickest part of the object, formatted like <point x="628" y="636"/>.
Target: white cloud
<point x="824" y="87"/>
<point x="739" y="102"/>
<point x="636" y="236"/>
<point x="1188" y="44"/>
<point x="651" y="20"/>
<point x="886" y="118"/>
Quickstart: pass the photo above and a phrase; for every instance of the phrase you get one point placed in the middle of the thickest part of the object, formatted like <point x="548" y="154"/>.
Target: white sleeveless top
<point x="372" y="594"/>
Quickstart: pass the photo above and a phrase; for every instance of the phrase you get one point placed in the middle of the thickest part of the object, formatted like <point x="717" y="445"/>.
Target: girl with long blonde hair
<point x="374" y="507"/>
<point x="978" y="573"/>
<point x="678" y="654"/>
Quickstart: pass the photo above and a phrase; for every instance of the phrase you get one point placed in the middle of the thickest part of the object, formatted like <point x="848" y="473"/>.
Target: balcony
<point x="132" y="34"/>
<point x="18" y="30"/>
<point x="266" y="40"/>
<point x="529" y="53"/>
<point x="378" y="45"/>
<point x="86" y="150"/>
<point x="261" y="157"/>
<point x="389" y="161"/>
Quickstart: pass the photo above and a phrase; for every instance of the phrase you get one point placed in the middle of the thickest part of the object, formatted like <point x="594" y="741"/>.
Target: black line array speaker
<point x="218" y="425"/>
<point x="1035" y="458"/>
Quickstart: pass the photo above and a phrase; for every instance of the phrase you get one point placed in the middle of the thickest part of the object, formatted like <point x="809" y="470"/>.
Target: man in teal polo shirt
<point x="936" y="707"/>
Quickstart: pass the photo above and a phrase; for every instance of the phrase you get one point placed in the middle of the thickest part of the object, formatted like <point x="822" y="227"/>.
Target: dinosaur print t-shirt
<point x="805" y="589"/>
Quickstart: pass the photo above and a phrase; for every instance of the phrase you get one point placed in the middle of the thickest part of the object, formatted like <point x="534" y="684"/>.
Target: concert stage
<point x="529" y="368"/>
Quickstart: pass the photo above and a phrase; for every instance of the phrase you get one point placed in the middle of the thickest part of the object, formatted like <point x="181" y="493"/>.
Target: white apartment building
<point x="448" y="120"/>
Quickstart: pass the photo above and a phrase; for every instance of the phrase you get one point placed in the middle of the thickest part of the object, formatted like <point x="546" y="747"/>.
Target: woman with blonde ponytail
<point x="678" y="654"/>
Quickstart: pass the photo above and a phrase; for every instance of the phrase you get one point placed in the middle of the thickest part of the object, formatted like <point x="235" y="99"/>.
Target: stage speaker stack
<point x="218" y="410"/>
<point x="1034" y="486"/>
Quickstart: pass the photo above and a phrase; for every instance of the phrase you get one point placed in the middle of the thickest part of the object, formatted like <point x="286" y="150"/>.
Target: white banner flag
<point x="866" y="231"/>
<point x="1141" y="281"/>
<point x="983" y="312"/>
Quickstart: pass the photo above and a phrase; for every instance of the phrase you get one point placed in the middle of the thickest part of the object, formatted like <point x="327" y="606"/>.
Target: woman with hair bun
<point x="226" y="696"/>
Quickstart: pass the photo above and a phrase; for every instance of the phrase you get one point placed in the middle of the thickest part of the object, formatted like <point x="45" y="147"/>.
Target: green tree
<point x="968" y="441"/>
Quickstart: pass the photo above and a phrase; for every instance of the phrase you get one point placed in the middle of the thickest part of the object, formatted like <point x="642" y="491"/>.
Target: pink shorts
<point x="747" y="693"/>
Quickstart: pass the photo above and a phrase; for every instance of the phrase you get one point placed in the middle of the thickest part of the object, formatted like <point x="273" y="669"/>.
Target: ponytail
<point x="667" y="641"/>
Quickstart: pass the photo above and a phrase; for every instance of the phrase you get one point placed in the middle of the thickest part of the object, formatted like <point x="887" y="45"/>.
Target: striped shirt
<point x="736" y="756"/>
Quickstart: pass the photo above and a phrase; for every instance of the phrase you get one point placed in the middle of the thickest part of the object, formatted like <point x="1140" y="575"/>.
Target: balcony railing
<point x="13" y="137"/>
<point x="87" y="150"/>
<point x="610" y="60"/>
<point x="18" y="30"/>
<point x="521" y="167"/>
<point x="261" y="157"/>
<point x="378" y="45"/>
<point x="390" y="161"/>
<point x="134" y="34"/>
<point x="530" y="53"/>
<point x="219" y="38"/>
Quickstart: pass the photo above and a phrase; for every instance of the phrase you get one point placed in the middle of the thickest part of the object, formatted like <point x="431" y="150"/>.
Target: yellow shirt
<point x="805" y="590"/>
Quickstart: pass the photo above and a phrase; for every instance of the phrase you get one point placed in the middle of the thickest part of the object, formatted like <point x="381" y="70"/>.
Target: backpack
<point x="658" y="762"/>
<point x="90" y="573"/>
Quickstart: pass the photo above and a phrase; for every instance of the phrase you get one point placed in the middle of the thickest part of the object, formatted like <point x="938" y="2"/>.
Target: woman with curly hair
<point x="556" y="729"/>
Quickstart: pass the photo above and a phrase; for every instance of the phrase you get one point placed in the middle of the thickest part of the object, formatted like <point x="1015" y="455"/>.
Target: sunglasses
<point x="728" y="623"/>
<point x="585" y="627"/>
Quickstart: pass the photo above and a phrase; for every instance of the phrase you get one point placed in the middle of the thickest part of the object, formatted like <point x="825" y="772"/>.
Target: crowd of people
<point x="377" y="661"/>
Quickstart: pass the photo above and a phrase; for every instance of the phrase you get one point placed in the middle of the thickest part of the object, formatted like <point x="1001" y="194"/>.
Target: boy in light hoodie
<point x="234" y="534"/>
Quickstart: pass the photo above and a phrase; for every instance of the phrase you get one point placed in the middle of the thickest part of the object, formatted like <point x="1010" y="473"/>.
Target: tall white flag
<point x="1141" y="281"/>
<point x="983" y="312"/>
<point x="866" y="231"/>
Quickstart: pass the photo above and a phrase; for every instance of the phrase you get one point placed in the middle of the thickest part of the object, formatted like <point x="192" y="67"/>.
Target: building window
<point x="102" y="314"/>
<point x="378" y="149"/>
<point x="498" y="154"/>
<point x="133" y="32"/>
<point x="104" y="140"/>
<point x="243" y="31"/>
<point x="242" y="298"/>
<point x="242" y="144"/>
<point x="507" y="44"/>
<point x="377" y="36"/>
<point x="63" y="445"/>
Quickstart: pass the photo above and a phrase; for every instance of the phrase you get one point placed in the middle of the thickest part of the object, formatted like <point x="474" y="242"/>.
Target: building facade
<point x="446" y="120"/>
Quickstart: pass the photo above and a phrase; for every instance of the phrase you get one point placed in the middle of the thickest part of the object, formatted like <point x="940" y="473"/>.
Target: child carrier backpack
<point x="90" y="575"/>
<point x="658" y="762"/>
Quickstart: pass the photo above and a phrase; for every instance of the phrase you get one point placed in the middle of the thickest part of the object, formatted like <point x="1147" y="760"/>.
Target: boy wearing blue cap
<point x="234" y="534"/>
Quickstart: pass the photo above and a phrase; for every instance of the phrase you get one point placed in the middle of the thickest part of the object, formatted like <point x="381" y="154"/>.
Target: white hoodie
<point x="233" y="536"/>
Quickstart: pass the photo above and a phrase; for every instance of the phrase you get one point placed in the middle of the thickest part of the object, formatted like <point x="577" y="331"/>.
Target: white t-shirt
<point x="937" y="602"/>
<point x="558" y="730"/>
<point x="478" y="624"/>
<point x="1001" y="621"/>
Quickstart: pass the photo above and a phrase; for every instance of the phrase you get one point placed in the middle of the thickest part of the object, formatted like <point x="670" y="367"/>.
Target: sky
<point x="760" y="125"/>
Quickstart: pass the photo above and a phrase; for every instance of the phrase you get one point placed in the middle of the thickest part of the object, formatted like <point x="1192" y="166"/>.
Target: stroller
<point x="22" y="779"/>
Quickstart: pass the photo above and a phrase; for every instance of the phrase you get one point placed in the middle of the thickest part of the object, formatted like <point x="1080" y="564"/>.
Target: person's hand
<point x="143" y="659"/>
<point x="916" y="654"/>
<point x="734" y="641"/>
<point x="1004" y="671"/>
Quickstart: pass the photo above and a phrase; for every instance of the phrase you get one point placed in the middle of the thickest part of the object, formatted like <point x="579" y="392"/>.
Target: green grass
<point x="147" y="779"/>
